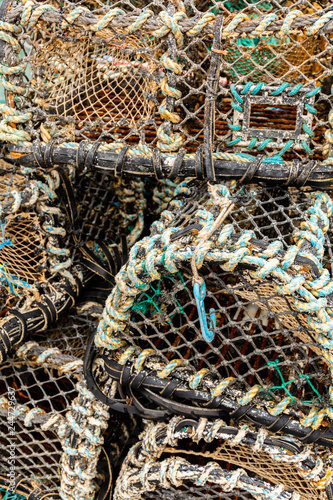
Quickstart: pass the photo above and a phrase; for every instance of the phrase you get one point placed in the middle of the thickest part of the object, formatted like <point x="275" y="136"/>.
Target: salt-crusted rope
<point x="166" y="190"/>
<point x="60" y="260"/>
<point x="153" y="254"/>
<point x="156" y="437"/>
<point x="85" y="423"/>
<point x="132" y="195"/>
<point x="50" y="357"/>
<point x="10" y="130"/>
<point x="80" y="431"/>
<point x="133" y="483"/>
<point x="169" y="141"/>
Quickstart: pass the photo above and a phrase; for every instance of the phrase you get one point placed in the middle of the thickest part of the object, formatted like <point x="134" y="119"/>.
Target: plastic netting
<point x="248" y="82"/>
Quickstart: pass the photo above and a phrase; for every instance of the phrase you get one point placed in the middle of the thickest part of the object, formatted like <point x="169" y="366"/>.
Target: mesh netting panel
<point x="255" y="332"/>
<point x="38" y="452"/>
<point x="94" y="85"/>
<point x="23" y="256"/>
<point x="45" y="379"/>
<point x="110" y="208"/>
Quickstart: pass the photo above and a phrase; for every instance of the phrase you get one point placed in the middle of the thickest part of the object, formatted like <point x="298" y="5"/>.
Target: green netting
<point x="6" y="495"/>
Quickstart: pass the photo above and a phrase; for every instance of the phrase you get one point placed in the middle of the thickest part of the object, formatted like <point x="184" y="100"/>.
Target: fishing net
<point x="65" y="441"/>
<point x="201" y="459"/>
<point x="197" y="89"/>
<point x="63" y="237"/>
<point x="224" y="311"/>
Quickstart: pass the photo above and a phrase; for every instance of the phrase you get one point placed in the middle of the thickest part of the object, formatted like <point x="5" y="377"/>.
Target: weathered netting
<point x="61" y="232"/>
<point x="65" y="441"/>
<point x="201" y="459"/>
<point x="197" y="89"/>
<point x="225" y="309"/>
<point x="22" y="239"/>
<point x="110" y="86"/>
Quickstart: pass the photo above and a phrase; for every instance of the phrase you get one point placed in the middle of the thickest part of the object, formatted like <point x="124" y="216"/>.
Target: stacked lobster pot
<point x="165" y="259"/>
<point x="222" y="318"/>
<point x="63" y="240"/>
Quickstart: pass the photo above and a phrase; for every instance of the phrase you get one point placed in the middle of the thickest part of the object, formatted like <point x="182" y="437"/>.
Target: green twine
<point x="238" y="5"/>
<point x="144" y="305"/>
<point x="285" y="384"/>
<point x="10" y="496"/>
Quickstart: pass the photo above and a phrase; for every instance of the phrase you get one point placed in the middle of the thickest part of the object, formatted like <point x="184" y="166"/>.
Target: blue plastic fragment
<point x="199" y="295"/>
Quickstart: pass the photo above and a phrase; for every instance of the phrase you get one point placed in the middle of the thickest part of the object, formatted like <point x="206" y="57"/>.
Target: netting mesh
<point x="44" y="389"/>
<point x="224" y="309"/>
<point x="256" y="333"/>
<point x="22" y="255"/>
<point x="38" y="452"/>
<point x="82" y="79"/>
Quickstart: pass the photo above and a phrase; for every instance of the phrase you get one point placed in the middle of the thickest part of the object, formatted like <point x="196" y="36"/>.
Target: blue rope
<point x="6" y="243"/>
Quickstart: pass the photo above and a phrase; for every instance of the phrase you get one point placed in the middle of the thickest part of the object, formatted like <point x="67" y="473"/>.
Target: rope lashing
<point x="9" y="133"/>
<point x="76" y="15"/>
<point x="171" y="24"/>
<point x="158" y="437"/>
<point x="169" y="141"/>
<point x="252" y="89"/>
<point x="160" y="251"/>
<point x="107" y="19"/>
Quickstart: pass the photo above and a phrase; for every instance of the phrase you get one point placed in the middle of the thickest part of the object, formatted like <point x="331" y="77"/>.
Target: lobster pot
<point x="35" y="261"/>
<point x="43" y="403"/>
<point x="60" y="231"/>
<point x="146" y="91"/>
<point x="187" y="462"/>
<point x="194" y="327"/>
